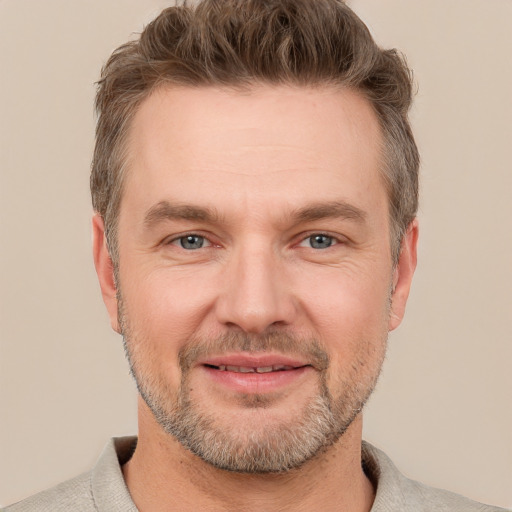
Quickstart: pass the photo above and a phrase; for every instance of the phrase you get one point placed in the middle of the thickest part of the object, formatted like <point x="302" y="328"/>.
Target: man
<point x="255" y="189"/>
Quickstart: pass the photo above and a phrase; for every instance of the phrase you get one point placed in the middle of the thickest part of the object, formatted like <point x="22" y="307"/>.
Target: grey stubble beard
<point x="275" y="449"/>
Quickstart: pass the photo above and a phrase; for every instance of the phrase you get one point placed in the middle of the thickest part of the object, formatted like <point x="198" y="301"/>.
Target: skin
<point x="256" y="158"/>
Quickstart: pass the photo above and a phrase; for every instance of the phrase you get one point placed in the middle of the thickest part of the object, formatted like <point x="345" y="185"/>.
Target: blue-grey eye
<point x="191" y="242"/>
<point x="321" y="241"/>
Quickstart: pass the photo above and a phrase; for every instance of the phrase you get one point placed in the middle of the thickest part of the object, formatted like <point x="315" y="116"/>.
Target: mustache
<point x="279" y="342"/>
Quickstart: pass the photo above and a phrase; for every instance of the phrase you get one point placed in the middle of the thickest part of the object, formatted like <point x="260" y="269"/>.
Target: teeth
<point x="277" y="367"/>
<point x="264" y="369"/>
<point x="245" y="369"/>
<point x="252" y="369"/>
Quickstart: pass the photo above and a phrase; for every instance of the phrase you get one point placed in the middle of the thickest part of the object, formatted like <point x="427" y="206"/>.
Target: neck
<point x="164" y="476"/>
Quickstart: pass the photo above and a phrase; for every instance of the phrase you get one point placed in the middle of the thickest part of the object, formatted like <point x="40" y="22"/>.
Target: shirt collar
<point x="111" y="494"/>
<point x="108" y="487"/>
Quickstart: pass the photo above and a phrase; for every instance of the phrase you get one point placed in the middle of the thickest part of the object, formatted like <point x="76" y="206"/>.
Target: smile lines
<point x="253" y="369"/>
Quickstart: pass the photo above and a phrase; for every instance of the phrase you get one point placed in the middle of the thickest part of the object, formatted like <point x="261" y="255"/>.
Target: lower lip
<point x="257" y="382"/>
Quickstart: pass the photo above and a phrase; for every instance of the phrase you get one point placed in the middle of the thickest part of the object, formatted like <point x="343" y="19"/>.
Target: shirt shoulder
<point x="422" y="498"/>
<point x="75" y="494"/>
<point x="102" y="489"/>
<point x="397" y="493"/>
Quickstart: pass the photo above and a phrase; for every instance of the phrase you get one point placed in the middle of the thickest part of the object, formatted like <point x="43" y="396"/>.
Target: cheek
<point x="167" y="304"/>
<point x="343" y="304"/>
<point x="161" y="314"/>
<point x="349" y="314"/>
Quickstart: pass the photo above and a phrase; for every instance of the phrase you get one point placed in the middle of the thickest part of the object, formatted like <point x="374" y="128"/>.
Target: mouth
<point x="254" y="369"/>
<point x="255" y="373"/>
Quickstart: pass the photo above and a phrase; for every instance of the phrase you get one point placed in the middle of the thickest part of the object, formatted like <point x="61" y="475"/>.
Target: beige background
<point x="443" y="407"/>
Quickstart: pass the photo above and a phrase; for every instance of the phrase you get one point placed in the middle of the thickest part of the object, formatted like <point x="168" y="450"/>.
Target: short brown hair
<point x="238" y="43"/>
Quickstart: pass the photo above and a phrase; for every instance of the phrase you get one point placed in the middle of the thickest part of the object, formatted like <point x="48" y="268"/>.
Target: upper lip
<point x="254" y="360"/>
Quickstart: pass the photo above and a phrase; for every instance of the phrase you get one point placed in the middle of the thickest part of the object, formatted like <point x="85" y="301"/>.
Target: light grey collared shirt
<point x="103" y="489"/>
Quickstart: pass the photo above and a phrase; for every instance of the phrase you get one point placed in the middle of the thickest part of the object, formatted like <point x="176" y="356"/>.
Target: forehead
<point x="280" y="143"/>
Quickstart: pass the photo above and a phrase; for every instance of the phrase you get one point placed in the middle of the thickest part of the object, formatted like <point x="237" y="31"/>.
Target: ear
<point x="105" y="270"/>
<point x="402" y="277"/>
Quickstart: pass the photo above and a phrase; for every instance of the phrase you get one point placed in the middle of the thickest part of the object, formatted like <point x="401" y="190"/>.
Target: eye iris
<point x="192" y="242"/>
<point x="320" y="241"/>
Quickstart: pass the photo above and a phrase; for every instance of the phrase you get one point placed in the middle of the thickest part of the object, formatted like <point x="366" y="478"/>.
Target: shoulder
<point x="420" y="497"/>
<point x="75" y="494"/>
<point x="397" y="493"/>
<point x="101" y="489"/>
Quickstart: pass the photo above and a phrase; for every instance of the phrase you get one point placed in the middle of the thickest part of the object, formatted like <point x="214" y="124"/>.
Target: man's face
<point x="255" y="270"/>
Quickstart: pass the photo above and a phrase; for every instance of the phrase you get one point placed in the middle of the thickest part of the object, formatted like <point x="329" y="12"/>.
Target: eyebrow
<point x="164" y="210"/>
<point x="333" y="209"/>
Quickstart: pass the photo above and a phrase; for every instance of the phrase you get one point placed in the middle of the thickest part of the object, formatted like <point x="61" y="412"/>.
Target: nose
<point x="256" y="293"/>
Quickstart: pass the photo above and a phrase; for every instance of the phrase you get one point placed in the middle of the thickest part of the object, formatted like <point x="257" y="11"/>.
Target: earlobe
<point x="403" y="275"/>
<point x="105" y="270"/>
